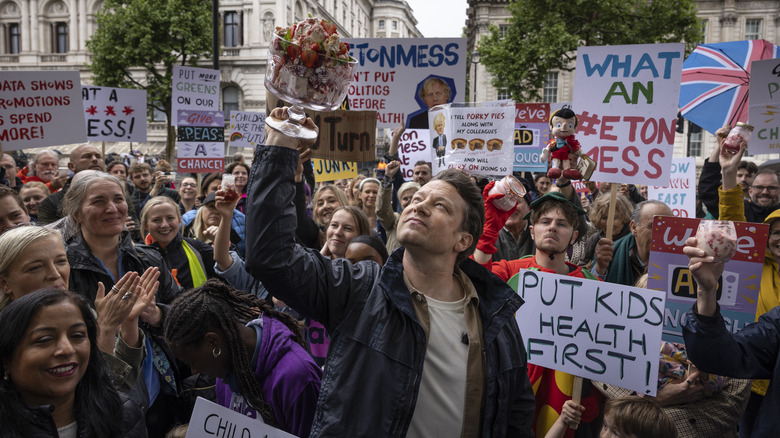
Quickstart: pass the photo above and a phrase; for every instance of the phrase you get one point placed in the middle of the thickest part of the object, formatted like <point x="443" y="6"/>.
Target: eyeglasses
<point x="189" y="185"/>
<point x="767" y="188"/>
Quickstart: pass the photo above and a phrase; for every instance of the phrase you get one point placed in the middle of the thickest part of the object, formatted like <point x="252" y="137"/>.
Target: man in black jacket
<point x="426" y="345"/>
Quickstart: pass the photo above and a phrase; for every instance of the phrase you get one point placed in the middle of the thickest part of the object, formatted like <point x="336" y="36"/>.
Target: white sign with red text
<point x="114" y="114"/>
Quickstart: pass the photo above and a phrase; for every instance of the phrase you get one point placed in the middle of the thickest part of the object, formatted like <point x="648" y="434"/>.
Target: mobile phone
<point x="168" y="173"/>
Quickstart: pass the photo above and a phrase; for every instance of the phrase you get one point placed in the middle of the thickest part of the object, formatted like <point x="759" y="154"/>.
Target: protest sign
<point x="532" y="130"/>
<point x="211" y="420"/>
<point x="201" y="141"/>
<point x="414" y="146"/>
<point x="764" y="111"/>
<point x="625" y="98"/>
<point x="475" y="138"/>
<point x="194" y="89"/>
<point x="247" y="129"/>
<point x="738" y="288"/>
<point x="114" y="114"/>
<point x="392" y="72"/>
<point x="591" y="329"/>
<point x="680" y="193"/>
<point x="345" y="135"/>
<point x="331" y="170"/>
<point x="40" y="108"/>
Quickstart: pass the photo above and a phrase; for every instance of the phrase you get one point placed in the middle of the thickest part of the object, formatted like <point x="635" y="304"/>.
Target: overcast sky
<point x="440" y="18"/>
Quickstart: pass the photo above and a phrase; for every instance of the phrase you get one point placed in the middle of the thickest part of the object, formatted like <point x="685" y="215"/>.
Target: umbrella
<point x="715" y="81"/>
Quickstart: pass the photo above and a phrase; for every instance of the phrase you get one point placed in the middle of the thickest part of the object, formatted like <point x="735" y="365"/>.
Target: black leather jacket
<point x="375" y="360"/>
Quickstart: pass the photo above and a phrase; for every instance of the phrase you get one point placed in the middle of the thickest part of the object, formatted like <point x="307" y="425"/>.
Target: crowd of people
<point x="355" y="307"/>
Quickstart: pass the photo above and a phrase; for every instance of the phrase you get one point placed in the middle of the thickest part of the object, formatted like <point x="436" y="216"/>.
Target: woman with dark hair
<point x="240" y="172"/>
<point x="255" y="352"/>
<point x="54" y="382"/>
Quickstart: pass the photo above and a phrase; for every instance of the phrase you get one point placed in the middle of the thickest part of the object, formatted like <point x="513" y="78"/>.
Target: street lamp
<point x="475" y="60"/>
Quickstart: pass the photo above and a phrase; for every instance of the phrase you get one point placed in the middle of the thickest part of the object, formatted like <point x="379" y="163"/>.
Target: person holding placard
<point x="554" y="224"/>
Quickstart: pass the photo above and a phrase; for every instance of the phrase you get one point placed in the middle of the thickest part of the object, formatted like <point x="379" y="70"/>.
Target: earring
<point x="216" y="351"/>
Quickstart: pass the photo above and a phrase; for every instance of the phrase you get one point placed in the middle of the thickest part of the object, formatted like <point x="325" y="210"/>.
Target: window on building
<point x="503" y="93"/>
<point x="13" y="39"/>
<point x="60" y="37"/>
<point x="502" y="30"/>
<point x="694" y="140"/>
<point x="753" y="29"/>
<point x="230" y="29"/>
<point x="157" y="114"/>
<point x="229" y="100"/>
<point x="381" y="24"/>
<point x="395" y="25"/>
<point x="550" y="91"/>
<point x="704" y="28"/>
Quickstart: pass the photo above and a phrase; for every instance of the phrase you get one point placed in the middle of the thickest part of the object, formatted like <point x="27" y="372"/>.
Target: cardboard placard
<point x="680" y="194"/>
<point x="247" y="129"/>
<point x="201" y="141"/>
<point x="40" y="108"/>
<point x="194" y="89"/>
<point x="211" y="420"/>
<point x="114" y="114"/>
<point x="331" y="170"/>
<point x="392" y="72"/>
<point x="668" y="272"/>
<point x="764" y="111"/>
<point x="345" y="135"/>
<point x="414" y="146"/>
<point x="591" y="329"/>
<point x="626" y="98"/>
<point x="532" y="130"/>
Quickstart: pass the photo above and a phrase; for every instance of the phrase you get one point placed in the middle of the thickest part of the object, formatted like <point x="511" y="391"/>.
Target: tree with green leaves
<point x="137" y="43"/>
<point x="543" y="36"/>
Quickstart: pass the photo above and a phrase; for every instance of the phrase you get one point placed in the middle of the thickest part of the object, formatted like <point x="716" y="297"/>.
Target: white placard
<point x="626" y="98"/>
<point x="194" y="89"/>
<point x="414" y="146"/>
<point x="40" y="108"/>
<point x="764" y="111"/>
<point x="591" y="329"/>
<point x="211" y="420"/>
<point x="392" y="71"/>
<point x="114" y="114"/>
<point x="247" y="129"/>
<point x="680" y="194"/>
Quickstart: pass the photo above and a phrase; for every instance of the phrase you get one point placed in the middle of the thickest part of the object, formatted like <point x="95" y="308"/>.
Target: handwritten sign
<point x="392" y="72"/>
<point x="478" y="139"/>
<point x="114" y="114"/>
<point x="532" y="129"/>
<point x="680" y="194"/>
<point x="345" y="135"/>
<point x="331" y="170"/>
<point x="625" y="98"/>
<point x="738" y="288"/>
<point x="40" y="108"/>
<point x="247" y="129"/>
<point x="201" y="141"/>
<point x="764" y="111"/>
<point x="591" y="329"/>
<point x="211" y="420"/>
<point x="413" y="146"/>
<point x="194" y="89"/>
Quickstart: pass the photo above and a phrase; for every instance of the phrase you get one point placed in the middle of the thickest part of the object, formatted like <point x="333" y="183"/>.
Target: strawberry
<point x="309" y="58"/>
<point x="329" y="27"/>
<point x="293" y="51"/>
<point x="342" y="49"/>
<point x="316" y="47"/>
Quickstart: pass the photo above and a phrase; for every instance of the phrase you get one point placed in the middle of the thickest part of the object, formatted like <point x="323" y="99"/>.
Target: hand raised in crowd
<point x="147" y="290"/>
<point x="705" y="272"/>
<point x="276" y="138"/>
<point x="392" y="169"/>
<point x="603" y="256"/>
<point x="305" y="154"/>
<point x="682" y="391"/>
<point x="59" y="181"/>
<point x="224" y="208"/>
<point x="150" y="313"/>
<point x="113" y="308"/>
<point x="571" y="414"/>
<point x="397" y="133"/>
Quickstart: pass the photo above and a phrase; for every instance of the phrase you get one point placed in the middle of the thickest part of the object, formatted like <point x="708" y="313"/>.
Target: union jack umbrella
<point x="715" y="82"/>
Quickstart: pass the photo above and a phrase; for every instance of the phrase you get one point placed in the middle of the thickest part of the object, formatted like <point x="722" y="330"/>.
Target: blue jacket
<point x="374" y="365"/>
<point x="752" y="353"/>
<point x="238" y="224"/>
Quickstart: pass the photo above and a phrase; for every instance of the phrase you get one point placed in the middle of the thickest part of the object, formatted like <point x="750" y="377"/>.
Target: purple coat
<point x="288" y="377"/>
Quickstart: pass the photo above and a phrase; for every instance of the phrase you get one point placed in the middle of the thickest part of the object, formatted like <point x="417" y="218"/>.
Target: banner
<point x="738" y="288"/>
<point x="247" y="129"/>
<point x="680" y="194"/>
<point x="475" y="138"/>
<point x="626" y="98"/>
<point x="764" y="111"/>
<point x="331" y="170"/>
<point x="194" y="89"/>
<point x="114" y="114"/>
<point x="40" y="108"/>
<point x="532" y="130"/>
<point x="201" y="141"/>
<point x="591" y="329"/>
<point x="212" y="420"/>
<point x="392" y="74"/>
<point x="413" y="146"/>
<point x="345" y="135"/>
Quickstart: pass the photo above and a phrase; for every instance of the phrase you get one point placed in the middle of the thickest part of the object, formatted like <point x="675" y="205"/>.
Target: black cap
<point x="554" y="197"/>
<point x="211" y="197"/>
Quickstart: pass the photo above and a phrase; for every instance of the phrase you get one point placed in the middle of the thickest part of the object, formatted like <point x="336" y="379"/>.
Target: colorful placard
<point x="194" y="89"/>
<point x="626" y="98"/>
<point x="211" y="420"/>
<point x="201" y="141"/>
<point x="331" y="170"/>
<point x="738" y="288"/>
<point x="764" y="111"/>
<point x="591" y="329"/>
<point x="345" y="135"/>
<point x="247" y="129"/>
<point x="413" y="146"/>
<point x="40" y="108"/>
<point x="114" y="114"/>
<point x="532" y="130"/>
<point x="680" y="193"/>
